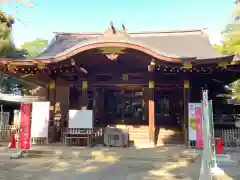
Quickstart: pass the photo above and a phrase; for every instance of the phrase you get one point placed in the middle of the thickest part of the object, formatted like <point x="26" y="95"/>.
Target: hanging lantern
<point x="10" y="66"/>
<point x="52" y="84"/>
<point x="41" y="65"/>
<point x="187" y="65"/>
<point x="84" y="85"/>
<point x="125" y="77"/>
<point x="151" y="84"/>
<point x="186" y="84"/>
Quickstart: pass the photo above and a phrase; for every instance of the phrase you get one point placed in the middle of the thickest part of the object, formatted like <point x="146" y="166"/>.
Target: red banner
<point x="25" y="127"/>
<point x="198" y="114"/>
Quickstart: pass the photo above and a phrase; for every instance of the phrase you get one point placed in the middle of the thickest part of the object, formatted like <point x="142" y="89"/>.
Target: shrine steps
<point x="139" y="136"/>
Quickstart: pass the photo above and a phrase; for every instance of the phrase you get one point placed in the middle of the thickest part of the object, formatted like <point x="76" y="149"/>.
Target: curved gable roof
<point x="172" y="46"/>
<point x="176" y="44"/>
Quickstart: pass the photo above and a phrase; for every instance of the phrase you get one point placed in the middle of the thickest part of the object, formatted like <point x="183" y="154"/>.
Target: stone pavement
<point x="107" y="168"/>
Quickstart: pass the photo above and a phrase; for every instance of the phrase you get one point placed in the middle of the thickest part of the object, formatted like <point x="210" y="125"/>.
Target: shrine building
<point x="142" y="80"/>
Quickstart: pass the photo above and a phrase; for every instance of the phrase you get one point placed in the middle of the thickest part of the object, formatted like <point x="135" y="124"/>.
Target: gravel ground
<point x="96" y="169"/>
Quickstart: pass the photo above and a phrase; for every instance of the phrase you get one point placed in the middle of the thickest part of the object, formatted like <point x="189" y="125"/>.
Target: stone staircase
<point x="169" y="136"/>
<point x="138" y="135"/>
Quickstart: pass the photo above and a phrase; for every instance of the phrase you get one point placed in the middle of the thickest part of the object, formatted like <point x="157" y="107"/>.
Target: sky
<point x="48" y="16"/>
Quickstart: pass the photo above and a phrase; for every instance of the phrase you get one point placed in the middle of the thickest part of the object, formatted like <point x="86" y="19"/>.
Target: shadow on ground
<point x="163" y="163"/>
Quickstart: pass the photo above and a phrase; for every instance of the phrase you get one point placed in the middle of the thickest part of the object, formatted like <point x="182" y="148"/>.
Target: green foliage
<point x="231" y="34"/>
<point x="35" y="47"/>
<point x="236" y="89"/>
<point x="231" y="45"/>
<point x="11" y="85"/>
<point x="6" y="45"/>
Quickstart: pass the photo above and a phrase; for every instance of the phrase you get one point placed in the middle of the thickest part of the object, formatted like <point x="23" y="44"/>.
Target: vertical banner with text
<point x="195" y="124"/>
<point x="199" y="135"/>
<point x="25" y="127"/>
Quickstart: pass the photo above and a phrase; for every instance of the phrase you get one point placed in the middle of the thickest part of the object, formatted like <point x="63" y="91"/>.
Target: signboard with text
<point x="195" y="123"/>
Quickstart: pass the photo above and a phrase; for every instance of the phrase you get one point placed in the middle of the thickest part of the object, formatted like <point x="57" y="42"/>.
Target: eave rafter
<point x="66" y="67"/>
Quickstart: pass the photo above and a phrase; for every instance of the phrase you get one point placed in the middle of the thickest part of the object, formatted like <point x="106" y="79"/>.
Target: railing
<point x="98" y="133"/>
<point x="230" y="137"/>
<point x="7" y="131"/>
<point x="4" y="118"/>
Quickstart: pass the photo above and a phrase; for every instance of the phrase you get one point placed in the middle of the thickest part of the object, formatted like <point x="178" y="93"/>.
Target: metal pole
<point x="207" y="150"/>
<point x="214" y="160"/>
<point x="1" y="115"/>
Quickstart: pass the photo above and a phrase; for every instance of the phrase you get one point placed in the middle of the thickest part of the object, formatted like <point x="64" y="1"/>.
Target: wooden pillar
<point x="123" y="105"/>
<point x="151" y="114"/>
<point x="84" y="96"/>
<point x="52" y="99"/>
<point x="145" y="103"/>
<point x="186" y="100"/>
<point x="99" y="106"/>
<point x="61" y="110"/>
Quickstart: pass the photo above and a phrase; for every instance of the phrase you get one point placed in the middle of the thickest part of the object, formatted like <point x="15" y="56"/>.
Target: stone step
<point x="138" y="132"/>
<point x="139" y="135"/>
<point x="137" y="143"/>
<point x="170" y="137"/>
<point x="138" y="140"/>
<point x="143" y="131"/>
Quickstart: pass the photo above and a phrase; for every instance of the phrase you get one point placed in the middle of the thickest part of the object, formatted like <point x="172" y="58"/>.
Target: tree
<point x="235" y="86"/>
<point x="6" y="45"/>
<point x="231" y="34"/>
<point x="231" y="45"/>
<point x="9" y="84"/>
<point x="35" y="47"/>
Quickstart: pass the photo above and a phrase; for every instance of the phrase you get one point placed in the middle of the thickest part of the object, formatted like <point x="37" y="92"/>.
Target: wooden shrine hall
<point x="143" y="80"/>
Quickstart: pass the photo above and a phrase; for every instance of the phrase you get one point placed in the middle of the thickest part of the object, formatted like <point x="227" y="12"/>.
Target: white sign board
<point x="80" y="119"/>
<point x="40" y="119"/>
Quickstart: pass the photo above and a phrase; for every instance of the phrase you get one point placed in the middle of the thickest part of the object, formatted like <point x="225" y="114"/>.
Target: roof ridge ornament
<point x="112" y="33"/>
<point x="113" y="28"/>
<point x="124" y="31"/>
